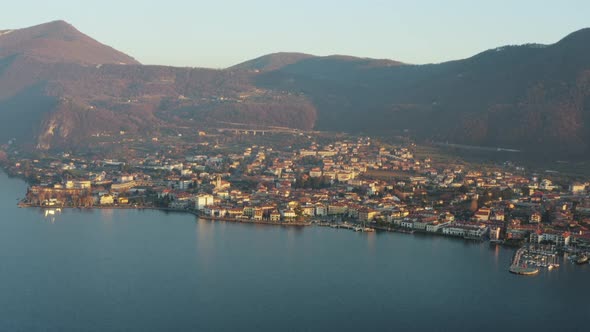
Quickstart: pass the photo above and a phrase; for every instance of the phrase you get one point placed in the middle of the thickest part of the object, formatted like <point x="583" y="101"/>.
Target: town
<point x="298" y="179"/>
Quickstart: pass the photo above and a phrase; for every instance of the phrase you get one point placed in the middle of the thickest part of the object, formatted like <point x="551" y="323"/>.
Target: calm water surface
<point x="130" y="270"/>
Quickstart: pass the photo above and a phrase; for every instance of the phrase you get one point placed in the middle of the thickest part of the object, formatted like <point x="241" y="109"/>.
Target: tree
<point x="463" y="189"/>
<point x="298" y="212"/>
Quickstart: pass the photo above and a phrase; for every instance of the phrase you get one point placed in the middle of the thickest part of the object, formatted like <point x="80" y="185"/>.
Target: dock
<point x="520" y="268"/>
<point x="348" y="226"/>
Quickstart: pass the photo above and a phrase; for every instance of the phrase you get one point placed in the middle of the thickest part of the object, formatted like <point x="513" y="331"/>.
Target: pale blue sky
<point x="220" y="33"/>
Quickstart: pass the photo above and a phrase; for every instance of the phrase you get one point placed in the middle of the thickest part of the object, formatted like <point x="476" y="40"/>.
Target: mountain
<point x="58" y="41"/>
<point x="282" y="61"/>
<point x="59" y="88"/>
<point x="271" y="61"/>
<point x="531" y="97"/>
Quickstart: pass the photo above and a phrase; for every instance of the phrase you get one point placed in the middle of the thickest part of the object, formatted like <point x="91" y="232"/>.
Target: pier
<point x="519" y="267"/>
<point x="530" y="258"/>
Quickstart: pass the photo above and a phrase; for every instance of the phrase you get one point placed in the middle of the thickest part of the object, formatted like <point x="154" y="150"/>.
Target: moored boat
<point x="582" y="259"/>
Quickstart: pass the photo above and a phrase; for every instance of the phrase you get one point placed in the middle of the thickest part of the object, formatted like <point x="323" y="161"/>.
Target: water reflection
<point x="204" y="239"/>
<point x="293" y="234"/>
<point x="51" y="214"/>
<point x="371" y="238"/>
<point x="107" y="214"/>
<point x="496" y="254"/>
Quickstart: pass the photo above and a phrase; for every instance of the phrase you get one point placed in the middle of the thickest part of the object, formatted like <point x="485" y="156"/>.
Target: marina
<point x="530" y="259"/>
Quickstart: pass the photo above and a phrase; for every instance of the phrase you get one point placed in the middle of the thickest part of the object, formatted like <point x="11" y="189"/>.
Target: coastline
<point x="22" y="204"/>
<point x="164" y="209"/>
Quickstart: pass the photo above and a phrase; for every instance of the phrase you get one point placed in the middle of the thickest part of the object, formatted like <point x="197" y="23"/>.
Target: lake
<point x="132" y="270"/>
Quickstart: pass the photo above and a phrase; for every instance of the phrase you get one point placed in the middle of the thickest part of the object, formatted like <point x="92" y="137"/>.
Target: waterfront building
<point x="434" y="227"/>
<point x="467" y="231"/>
<point x="559" y="238"/>
<point x="106" y="199"/>
<point x="337" y="209"/>
<point x="366" y="214"/>
<point x="275" y="216"/>
<point x="202" y="200"/>
<point x="407" y="223"/>
<point x="495" y="233"/>
<point x="321" y="210"/>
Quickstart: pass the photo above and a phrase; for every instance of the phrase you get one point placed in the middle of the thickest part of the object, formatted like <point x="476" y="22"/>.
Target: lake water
<point x="128" y="270"/>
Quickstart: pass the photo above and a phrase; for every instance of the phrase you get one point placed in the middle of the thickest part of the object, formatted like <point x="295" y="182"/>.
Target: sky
<point x="221" y="33"/>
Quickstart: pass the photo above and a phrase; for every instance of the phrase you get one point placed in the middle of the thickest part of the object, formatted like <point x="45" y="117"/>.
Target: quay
<point x="517" y="267"/>
<point x="248" y="221"/>
<point x="165" y="209"/>
<point x="394" y="229"/>
<point x="348" y="226"/>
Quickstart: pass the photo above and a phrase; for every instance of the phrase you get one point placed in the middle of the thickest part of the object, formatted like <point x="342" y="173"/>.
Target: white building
<point x="321" y="210"/>
<point x="203" y="200"/>
<point x="467" y="231"/>
<point x="560" y="239"/>
<point x="578" y="188"/>
<point x="435" y="227"/>
<point x="407" y="223"/>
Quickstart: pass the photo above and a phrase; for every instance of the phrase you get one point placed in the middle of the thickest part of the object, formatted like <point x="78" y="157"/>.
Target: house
<point x="106" y="199"/>
<point x="559" y="238"/>
<point x="337" y="208"/>
<point x="495" y="233"/>
<point x="203" y="200"/>
<point x="248" y="211"/>
<point x="466" y="231"/>
<point x="483" y="214"/>
<point x="407" y="223"/>
<point x="453" y="231"/>
<point x="258" y="214"/>
<point x="547" y="185"/>
<point x="308" y="210"/>
<point x="275" y="216"/>
<point x="83" y="184"/>
<point x="577" y="188"/>
<point x="315" y="172"/>
<point x="321" y="210"/>
<point x="289" y="214"/>
<point x="123" y="186"/>
<point x="435" y="227"/>
<point x="236" y="213"/>
<point x="420" y="224"/>
<point x="498" y="216"/>
<point x="215" y="211"/>
<point x="183" y="204"/>
<point x="366" y="214"/>
<point x="535" y="218"/>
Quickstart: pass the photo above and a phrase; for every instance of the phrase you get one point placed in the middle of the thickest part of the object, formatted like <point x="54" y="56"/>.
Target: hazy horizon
<point x="204" y="34"/>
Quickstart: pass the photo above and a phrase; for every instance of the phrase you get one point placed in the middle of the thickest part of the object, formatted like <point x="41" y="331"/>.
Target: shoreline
<point x="164" y="209"/>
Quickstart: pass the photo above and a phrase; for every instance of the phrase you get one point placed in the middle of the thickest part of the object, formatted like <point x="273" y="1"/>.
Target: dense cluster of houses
<point x="356" y="180"/>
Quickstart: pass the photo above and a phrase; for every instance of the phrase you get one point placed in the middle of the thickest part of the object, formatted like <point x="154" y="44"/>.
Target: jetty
<point x="521" y="268"/>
